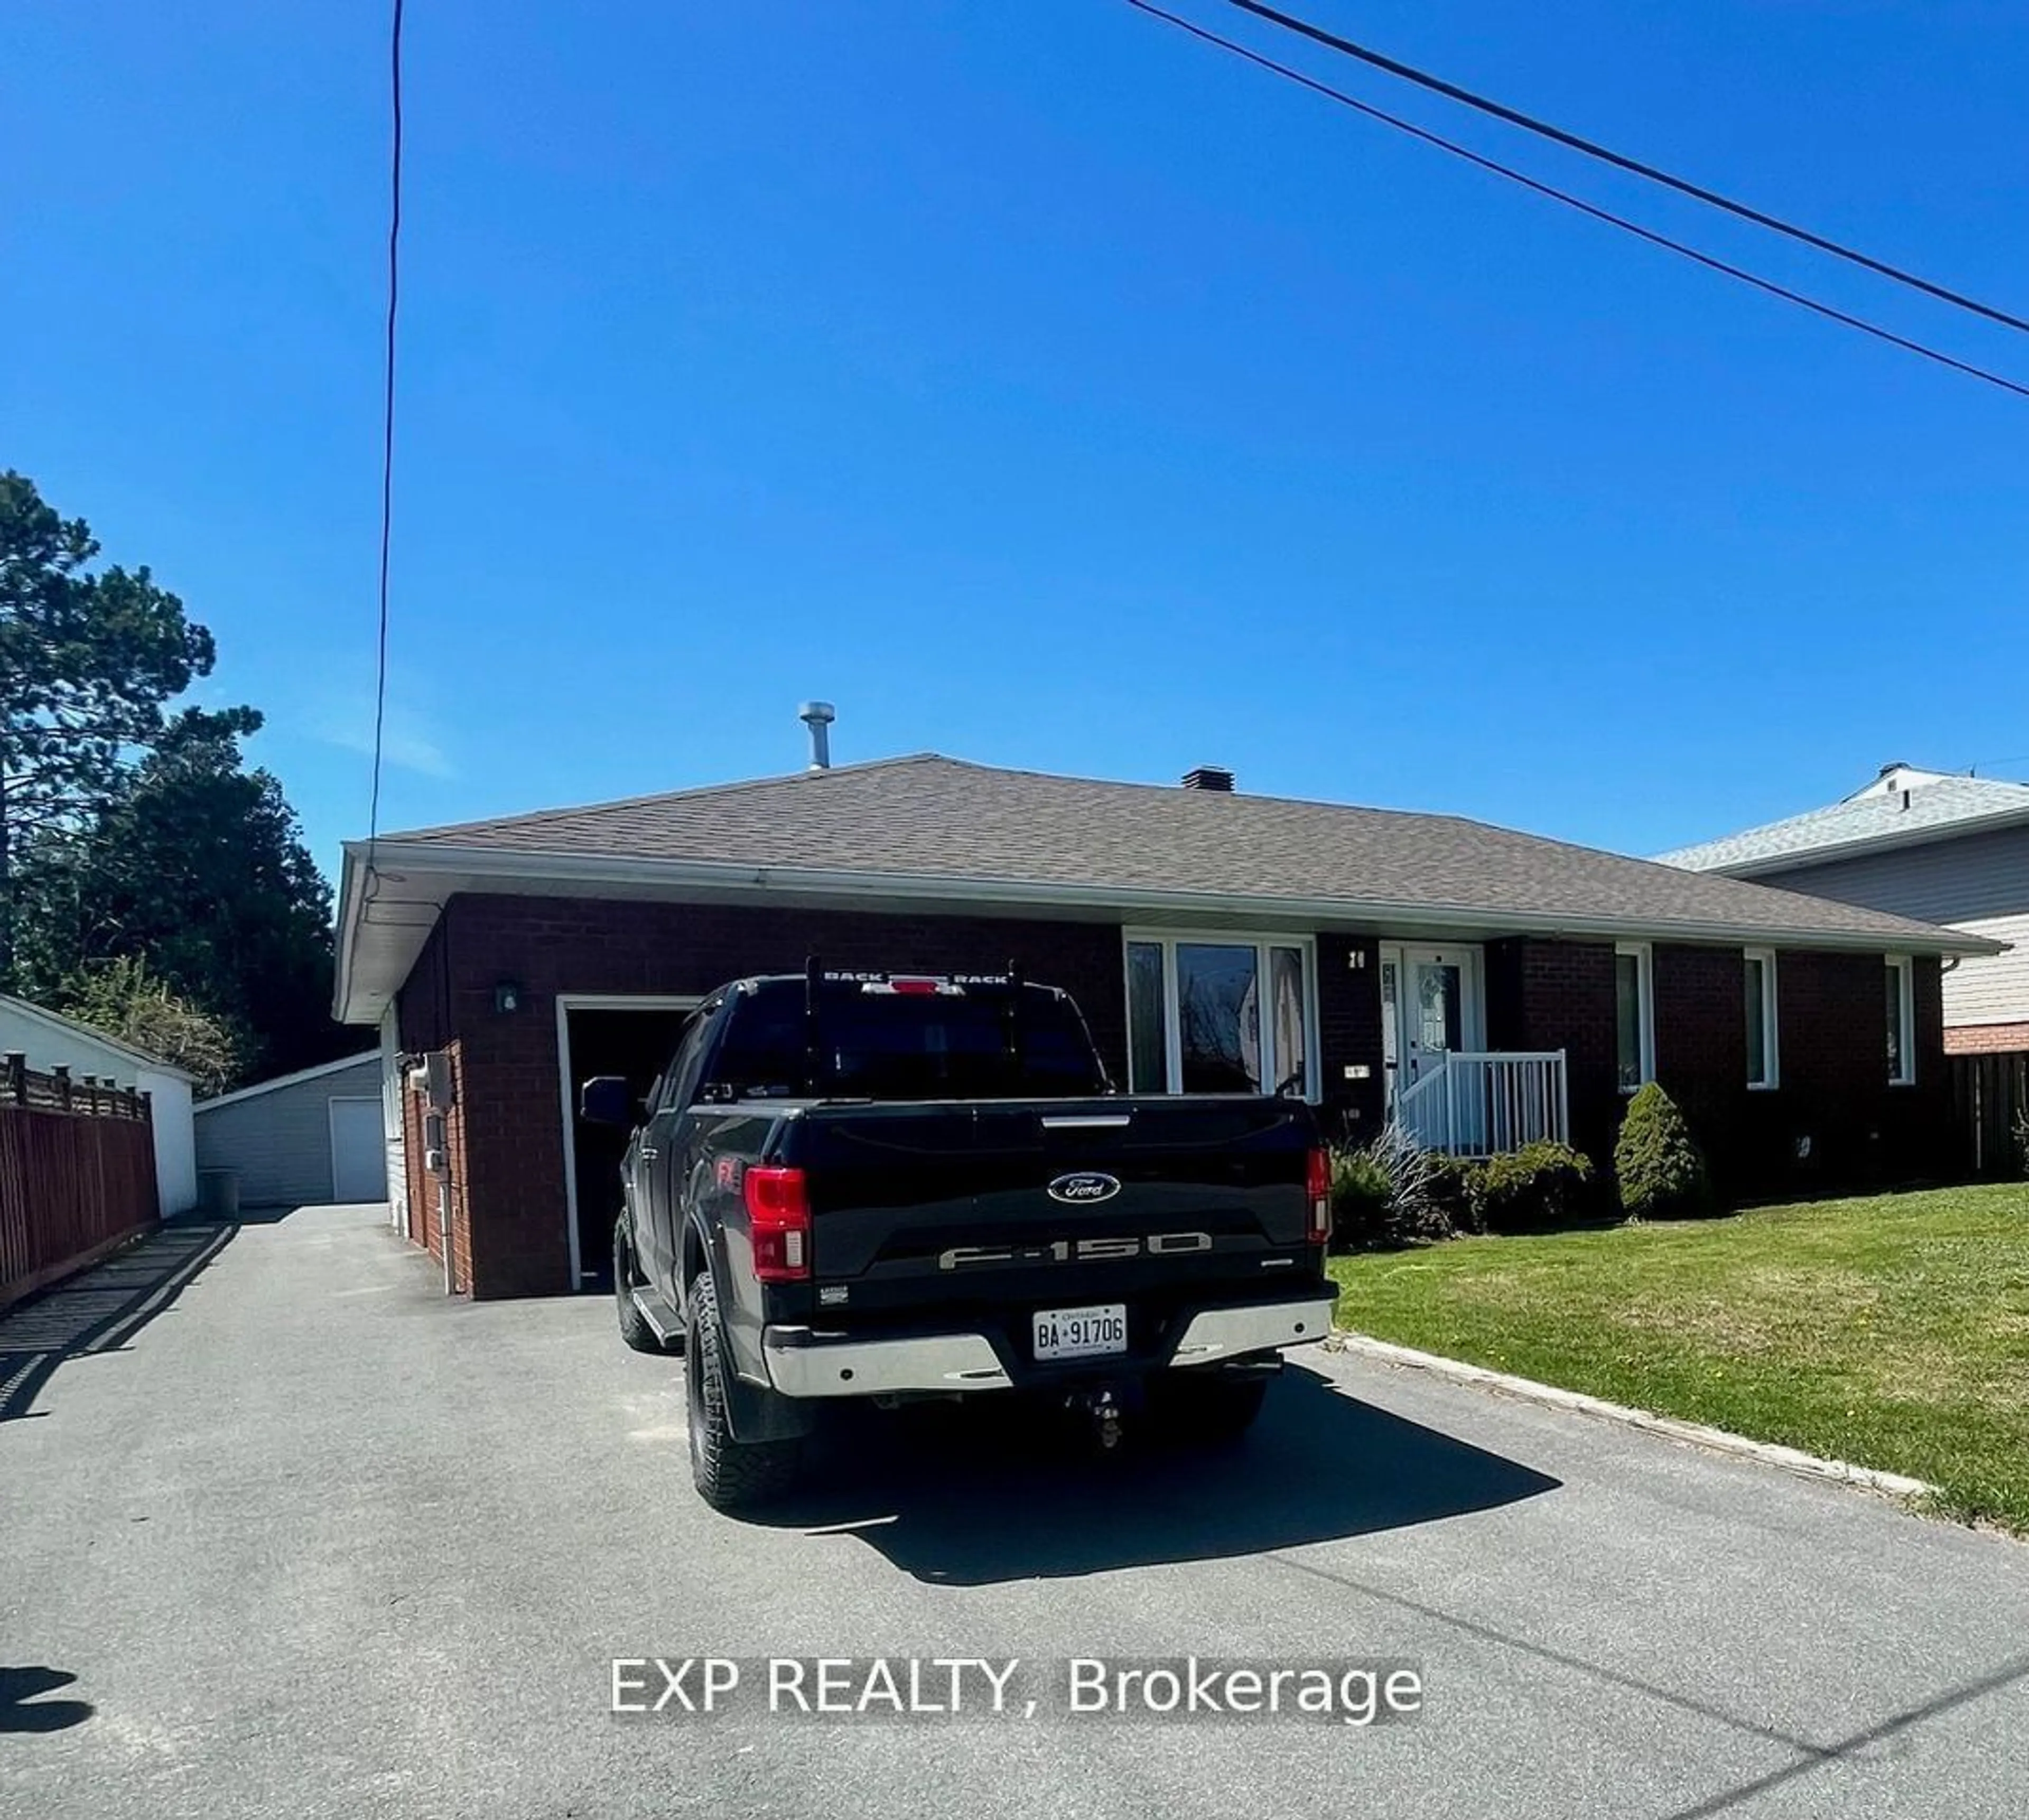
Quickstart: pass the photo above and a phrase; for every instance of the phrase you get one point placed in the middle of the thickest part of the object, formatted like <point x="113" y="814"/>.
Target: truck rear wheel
<point x="730" y="1474"/>
<point x="634" y="1328"/>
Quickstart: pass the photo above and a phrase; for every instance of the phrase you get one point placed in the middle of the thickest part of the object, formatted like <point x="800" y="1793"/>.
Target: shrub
<point x="1453" y="1184"/>
<point x="1541" y="1184"/>
<point x="1661" y="1172"/>
<point x="2022" y="1140"/>
<point x="1360" y="1189"/>
<point x="1381" y="1194"/>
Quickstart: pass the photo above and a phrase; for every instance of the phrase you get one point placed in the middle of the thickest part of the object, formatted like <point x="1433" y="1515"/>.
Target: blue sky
<point x="1042" y="387"/>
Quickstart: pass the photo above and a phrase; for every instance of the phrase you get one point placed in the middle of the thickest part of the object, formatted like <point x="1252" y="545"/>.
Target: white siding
<point x="1991" y="989"/>
<point x="175" y="1140"/>
<point x="391" y="1114"/>
<point x="52" y="1042"/>
<point x="279" y="1142"/>
<point x="1978" y="882"/>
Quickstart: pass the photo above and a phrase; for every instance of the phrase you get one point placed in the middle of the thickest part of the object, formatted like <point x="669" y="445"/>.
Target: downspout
<point x="444" y="1232"/>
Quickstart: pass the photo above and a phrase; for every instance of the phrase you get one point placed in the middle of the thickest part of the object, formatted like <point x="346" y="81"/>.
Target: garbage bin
<point x="218" y="1193"/>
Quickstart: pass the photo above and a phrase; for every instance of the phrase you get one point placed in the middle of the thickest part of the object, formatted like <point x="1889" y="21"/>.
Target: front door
<point x="1430" y="1009"/>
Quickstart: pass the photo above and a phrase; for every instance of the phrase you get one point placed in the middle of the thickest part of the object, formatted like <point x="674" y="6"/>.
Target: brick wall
<point x="1831" y="1047"/>
<point x="1543" y="994"/>
<point x="424" y="1021"/>
<point x="509" y="1210"/>
<point x="1986" y="1038"/>
<point x="1831" y="1012"/>
<point x="506" y="1142"/>
<point x="1349" y="1035"/>
<point x="1700" y="997"/>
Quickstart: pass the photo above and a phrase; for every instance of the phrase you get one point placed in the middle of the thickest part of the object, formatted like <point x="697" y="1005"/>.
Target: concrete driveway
<point x="287" y="1534"/>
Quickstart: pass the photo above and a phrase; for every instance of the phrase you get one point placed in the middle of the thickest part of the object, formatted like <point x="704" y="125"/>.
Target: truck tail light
<point x="1317" y="1185"/>
<point x="778" y="1216"/>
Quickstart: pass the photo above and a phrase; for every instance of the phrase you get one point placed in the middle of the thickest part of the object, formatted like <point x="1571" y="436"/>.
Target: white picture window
<point x="1902" y="1010"/>
<point x="1634" y="1014"/>
<point x="1762" y="1062"/>
<point x="1221" y="1013"/>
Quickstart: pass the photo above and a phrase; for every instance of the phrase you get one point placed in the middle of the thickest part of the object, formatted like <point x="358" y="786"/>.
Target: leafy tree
<point x="198" y="865"/>
<point x="123" y="998"/>
<point x="87" y="661"/>
<point x="1661" y="1172"/>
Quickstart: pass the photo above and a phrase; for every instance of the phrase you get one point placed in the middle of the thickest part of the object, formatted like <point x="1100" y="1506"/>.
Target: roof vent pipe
<point x="1209" y="777"/>
<point x="818" y="716"/>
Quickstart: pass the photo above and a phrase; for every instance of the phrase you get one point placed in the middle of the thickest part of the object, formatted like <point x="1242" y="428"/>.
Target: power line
<point x="1579" y="203"/>
<point x="1529" y="123"/>
<point x="387" y="429"/>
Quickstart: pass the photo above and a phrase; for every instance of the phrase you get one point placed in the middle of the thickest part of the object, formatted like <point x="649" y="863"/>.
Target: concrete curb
<point x="1692" y="1434"/>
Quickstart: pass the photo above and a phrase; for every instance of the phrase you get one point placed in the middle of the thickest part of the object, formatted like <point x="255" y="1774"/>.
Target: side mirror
<point x="607" y="1099"/>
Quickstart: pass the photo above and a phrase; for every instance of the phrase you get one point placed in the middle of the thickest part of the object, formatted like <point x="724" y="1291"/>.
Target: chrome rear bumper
<point x="1217" y="1333"/>
<point x="800" y="1363"/>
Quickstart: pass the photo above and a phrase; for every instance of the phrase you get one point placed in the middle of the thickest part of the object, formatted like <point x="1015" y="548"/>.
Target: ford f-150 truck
<point x="884" y="1187"/>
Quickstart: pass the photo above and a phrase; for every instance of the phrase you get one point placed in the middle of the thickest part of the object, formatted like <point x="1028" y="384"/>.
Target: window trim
<point x="1772" y="1022"/>
<point x="1904" y="967"/>
<point x="1644" y="1001"/>
<point x="1261" y="941"/>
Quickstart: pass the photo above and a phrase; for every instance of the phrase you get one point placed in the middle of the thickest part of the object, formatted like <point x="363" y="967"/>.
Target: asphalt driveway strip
<point x="286" y="1533"/>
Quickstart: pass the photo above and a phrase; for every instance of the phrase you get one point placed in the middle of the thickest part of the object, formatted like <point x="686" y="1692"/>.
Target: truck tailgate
<point x="916" y="1204"/>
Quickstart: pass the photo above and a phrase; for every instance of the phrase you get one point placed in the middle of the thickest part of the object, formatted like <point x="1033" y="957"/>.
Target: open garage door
<point x="632" y="1037"/>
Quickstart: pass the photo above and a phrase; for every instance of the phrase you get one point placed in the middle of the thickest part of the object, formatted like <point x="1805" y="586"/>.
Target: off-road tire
<point x="634" y="1327"/>
<point x="729" y="1474"/>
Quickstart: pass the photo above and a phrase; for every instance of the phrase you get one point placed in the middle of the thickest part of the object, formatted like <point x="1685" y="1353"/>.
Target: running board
<point x="667" y="1324"/>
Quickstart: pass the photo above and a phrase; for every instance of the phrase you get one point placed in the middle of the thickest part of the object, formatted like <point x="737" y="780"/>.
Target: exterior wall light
<point x="507" y="996"/>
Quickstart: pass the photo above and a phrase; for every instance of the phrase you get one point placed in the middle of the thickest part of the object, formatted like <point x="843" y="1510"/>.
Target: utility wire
<point x="1578" y="202"/>
<point x="1529" y="123"/>
<point x="387" y="432"/>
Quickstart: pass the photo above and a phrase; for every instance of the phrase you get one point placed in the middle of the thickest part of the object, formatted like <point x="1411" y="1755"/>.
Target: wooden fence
<point x="1989" y="1098"/>
<point x="77" y="1173"/>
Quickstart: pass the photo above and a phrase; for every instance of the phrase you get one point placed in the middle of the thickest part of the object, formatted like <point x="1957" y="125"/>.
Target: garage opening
<point x="634" y="1038"/>
<point x="359" y="1152"/>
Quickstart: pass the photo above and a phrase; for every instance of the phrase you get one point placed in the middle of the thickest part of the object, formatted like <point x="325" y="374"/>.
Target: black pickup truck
<point x="875" y="1186"/>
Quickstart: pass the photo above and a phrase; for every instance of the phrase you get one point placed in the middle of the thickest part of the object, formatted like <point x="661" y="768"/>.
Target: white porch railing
<point x="1484" y="1105"/>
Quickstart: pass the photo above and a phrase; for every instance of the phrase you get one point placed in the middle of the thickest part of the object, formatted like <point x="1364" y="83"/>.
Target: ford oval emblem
<point x="1084" y="1188"/>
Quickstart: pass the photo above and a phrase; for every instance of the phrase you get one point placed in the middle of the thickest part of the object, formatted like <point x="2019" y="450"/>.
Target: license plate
<point x="1081" y="1332"/>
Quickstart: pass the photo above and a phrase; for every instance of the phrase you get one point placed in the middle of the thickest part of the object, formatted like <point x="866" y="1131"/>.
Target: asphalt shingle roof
<point x="932" y="818"/>
<point x="1946" y="806"/>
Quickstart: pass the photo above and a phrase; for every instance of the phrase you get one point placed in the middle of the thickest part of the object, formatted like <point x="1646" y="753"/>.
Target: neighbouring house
<point x="1943" y="847"/>
<point x="318" y="1135"/>
<point x="1481" y="986"/>
<point x="50" y="1042"/>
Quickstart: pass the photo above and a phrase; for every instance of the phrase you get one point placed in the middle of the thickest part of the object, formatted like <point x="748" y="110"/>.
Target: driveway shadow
<point x="21" y="1711"/>
<point x="99" y="1310"/>
<point x="977" y="1495"/>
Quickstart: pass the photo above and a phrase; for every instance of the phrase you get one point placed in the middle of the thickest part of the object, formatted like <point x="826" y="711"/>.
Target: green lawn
<point x="1893" y="1332"/>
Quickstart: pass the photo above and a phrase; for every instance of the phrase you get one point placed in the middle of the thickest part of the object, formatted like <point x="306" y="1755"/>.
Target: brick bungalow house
<point x="1481" y="985"/>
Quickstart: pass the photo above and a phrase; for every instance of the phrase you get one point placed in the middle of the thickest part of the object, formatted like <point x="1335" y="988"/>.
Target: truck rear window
<point x="883" y="1046"/>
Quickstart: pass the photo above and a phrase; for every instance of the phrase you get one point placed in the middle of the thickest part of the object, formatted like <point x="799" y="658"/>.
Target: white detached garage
<point x="48" y="1041"/>
<point x="303" y="1139"/>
